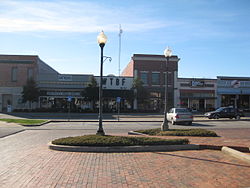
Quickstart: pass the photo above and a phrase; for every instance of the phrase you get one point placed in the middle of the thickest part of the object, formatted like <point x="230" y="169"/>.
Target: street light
<point x="102" y="39"/>
<point x="167" y="54"/>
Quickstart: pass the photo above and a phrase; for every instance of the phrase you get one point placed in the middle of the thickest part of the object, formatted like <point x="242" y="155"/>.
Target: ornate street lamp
<point x="102" y="39"/>
<point x="167" y="54"/>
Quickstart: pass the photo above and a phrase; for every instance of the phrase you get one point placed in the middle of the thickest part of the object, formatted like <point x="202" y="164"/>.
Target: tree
<point x="91" y="93"/>
<point x="30" y="92"/>
<point x="141" y="93"/>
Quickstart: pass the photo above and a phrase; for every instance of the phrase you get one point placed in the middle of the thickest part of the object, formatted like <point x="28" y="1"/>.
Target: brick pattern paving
<point x="37" y="166"/>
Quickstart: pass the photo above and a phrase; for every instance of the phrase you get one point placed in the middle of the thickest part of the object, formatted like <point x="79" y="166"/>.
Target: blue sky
<point x="211" y="37"/>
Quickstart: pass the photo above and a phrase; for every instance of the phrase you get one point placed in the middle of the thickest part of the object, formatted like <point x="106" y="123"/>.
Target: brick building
<point x="54" y="87"/>
<point x="14" y="72"/>
<point x="151" y="70"/>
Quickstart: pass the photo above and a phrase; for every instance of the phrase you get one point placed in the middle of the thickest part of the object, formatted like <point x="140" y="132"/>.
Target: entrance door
<point x="201" y="104"/>
<point x="7" y="100"/>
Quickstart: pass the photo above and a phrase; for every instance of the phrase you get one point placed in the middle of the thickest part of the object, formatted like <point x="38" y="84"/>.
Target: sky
<point x="211" y="37"/>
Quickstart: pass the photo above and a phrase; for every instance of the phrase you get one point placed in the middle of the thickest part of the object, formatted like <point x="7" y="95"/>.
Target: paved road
<point x="127" y="126"/>
<point x="8" y="128"/>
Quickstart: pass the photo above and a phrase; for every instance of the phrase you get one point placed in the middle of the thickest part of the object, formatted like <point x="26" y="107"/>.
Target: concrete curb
<point x="219" y="147"/>
<point x="117" y="149"/>
<point x="15" y="132"/>
<point x="37" y="125"/>
<point x="136" y="133"/>
<point x="235" y="153"/>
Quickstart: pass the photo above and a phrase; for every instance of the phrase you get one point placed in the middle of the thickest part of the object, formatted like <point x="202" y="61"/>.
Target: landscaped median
<point x="178" y="132"/>
<point x="26" y="122"/>
<point x="96" y="143"/>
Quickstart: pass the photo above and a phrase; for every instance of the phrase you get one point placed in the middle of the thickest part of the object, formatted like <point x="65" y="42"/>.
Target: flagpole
<point x="119" y="61"/>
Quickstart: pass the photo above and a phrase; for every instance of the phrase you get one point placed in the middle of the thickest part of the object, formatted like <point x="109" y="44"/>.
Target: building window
<point x="169" y="78"/>
<point x="144" y="77"/>
<point x="155" y="78"/>
<point x="14" y="74"/>
<point x="30" y="73"/>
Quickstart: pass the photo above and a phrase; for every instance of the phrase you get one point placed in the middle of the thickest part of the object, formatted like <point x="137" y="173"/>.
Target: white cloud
<point x="66" y="16"/>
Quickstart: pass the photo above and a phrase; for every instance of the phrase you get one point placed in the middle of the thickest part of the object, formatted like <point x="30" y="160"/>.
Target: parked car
<point x="224" y="112"/>
<point x="177" y="115"/>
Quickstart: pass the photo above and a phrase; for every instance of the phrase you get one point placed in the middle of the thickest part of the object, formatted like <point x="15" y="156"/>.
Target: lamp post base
<point x="164" y="125"/>
<point x="100" y="132"/>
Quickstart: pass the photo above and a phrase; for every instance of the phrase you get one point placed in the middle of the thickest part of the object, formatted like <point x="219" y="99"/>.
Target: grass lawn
<point x="179" y="132"/>
<point x="97" y="140"/>
<point x="24" y="121"/>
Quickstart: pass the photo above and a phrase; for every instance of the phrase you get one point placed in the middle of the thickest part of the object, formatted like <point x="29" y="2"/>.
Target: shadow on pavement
<point x="206" y="160"/>
<point x="195" y="125"/>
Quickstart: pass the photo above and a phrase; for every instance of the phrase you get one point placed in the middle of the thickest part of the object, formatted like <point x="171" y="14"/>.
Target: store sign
<point x="235" y="83"/>
<point x="196" y="83"/>
<point x="67" y="78"/>
<point x="63" y="93"/>
<point x="112" y="82"/>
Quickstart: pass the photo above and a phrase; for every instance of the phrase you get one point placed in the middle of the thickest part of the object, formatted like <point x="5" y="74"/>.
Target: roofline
<point x="199" y="78"/>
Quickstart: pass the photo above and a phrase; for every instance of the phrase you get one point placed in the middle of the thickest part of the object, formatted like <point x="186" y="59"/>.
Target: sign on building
<point x="62" y="77"/>
<point x="196" y="83"/>
<point x="113" y="82"/>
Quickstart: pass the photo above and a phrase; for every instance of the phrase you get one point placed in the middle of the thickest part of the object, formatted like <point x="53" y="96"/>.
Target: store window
<point x="155" y="78"/>
<point x="30" y="73"/>
<point x="169" y="78"/>
<point x="144" y="77"/>
<point x="14" y="74"/>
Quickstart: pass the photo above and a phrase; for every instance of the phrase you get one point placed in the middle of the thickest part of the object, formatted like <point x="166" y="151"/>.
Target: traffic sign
<point x="69" y="98"/>
<point x="118" y="99"/>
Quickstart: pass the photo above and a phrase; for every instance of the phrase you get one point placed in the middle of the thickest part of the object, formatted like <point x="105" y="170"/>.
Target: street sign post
<point x="118" y="100"/>
<point x="69" y="99"/>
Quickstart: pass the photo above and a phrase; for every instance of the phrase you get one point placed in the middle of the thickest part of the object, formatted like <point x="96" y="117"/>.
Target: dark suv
<point x="224" y="112"/>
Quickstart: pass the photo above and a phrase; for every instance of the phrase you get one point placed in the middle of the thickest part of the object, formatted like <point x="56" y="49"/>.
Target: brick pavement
<point x="26" y="161"/>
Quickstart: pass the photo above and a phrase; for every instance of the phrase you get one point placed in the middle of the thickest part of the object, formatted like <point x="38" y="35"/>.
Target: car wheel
<point x="190" y="123"/>
<point x="173" y="122"/>
<point x="216" y="116"/>
<point x="237" y="117"/>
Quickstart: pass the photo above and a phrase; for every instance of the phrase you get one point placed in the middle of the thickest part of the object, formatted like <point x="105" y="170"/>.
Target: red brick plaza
<point x="34" y="165"/>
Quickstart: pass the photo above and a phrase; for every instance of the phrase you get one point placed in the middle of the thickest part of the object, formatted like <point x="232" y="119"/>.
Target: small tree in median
<point x="30" y="92"/>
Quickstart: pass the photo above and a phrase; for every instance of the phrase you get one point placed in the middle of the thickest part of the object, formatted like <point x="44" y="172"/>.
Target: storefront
<point x="59" y="92"/>
<point x="234" y="91"/>
<point x="117" y="93"/>
<point x="197" y="94"/>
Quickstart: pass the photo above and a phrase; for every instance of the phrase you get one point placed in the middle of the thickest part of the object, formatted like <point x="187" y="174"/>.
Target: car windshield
<point x="219" y="109"/>
<point x="181" y="110"/>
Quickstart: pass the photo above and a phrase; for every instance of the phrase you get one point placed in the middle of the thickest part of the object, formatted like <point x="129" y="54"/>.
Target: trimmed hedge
<point x="97" y="140"/>
<point x="179" y="132"/>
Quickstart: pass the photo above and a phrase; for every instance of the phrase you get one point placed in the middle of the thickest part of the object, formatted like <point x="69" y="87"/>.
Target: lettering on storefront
<point x="196" y="83"/>
<point x="116" y="82"/>
<point x="235" y="84"/>
<point x="65" y="78"/>
<point x="63" y="93"/>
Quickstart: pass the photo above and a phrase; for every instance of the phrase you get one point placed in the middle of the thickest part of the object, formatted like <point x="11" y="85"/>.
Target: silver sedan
<point x="176" y="115"/>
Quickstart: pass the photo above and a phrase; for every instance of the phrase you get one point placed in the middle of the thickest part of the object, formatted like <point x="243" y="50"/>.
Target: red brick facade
<point x="150" y="66"/>
<point x="22" y="64"/>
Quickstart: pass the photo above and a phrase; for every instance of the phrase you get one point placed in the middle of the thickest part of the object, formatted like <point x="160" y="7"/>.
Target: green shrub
<point x="96" y="140"/>
<point x="179" y="132"/>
